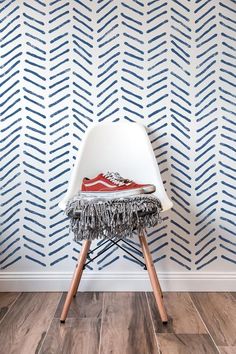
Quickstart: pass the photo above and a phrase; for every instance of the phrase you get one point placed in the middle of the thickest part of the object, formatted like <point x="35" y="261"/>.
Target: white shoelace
<point x="116" y="178"/>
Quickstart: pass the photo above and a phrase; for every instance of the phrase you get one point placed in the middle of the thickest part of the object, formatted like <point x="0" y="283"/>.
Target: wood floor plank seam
<point x="39" y="350"/>
<point x="81" y="331"/>
<point x="100" y="337"/>
<point x="218" y="312"/>
<point x="153" y="327"/>
<point x="204" y="323"/>
<point x="27" y="321"/>
<point x="1" y="321"/>
<point x="127" y="327"/>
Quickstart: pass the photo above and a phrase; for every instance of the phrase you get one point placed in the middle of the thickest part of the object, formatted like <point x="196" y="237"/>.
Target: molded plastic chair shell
<point x="118" y="147"/>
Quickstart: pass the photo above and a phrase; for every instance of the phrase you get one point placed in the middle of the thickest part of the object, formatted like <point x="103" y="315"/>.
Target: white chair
<point x="125" y="148"/>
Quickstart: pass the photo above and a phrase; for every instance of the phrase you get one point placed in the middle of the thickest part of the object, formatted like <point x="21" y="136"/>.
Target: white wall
<point x="170" y="65"/>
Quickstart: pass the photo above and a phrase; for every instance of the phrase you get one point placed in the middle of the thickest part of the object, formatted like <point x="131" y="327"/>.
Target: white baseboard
<point x="117" y="281"/>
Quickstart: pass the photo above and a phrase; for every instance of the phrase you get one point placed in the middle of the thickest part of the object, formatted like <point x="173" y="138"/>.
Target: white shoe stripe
<point x="99" y="182"/>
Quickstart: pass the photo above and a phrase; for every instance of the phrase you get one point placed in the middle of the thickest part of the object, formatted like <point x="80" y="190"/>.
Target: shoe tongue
<point x="115" y="175"/>
<point x="118" y="177"/>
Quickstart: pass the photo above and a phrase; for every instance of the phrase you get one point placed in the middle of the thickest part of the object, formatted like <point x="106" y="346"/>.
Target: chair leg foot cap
<point x="62" y="321"/>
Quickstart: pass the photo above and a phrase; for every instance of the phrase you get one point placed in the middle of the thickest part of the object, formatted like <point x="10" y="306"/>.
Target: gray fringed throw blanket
<point x="97" y="217"/>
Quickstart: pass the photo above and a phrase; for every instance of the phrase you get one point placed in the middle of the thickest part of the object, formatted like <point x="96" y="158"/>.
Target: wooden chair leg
<point x="153" y="277"/>
<point x="76" y="279"/>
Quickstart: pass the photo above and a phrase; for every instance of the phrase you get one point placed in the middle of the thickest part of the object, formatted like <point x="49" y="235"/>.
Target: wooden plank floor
<point x="118" y="323"/>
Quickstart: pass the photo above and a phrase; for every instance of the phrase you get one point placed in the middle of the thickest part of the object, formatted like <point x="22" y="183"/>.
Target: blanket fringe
<point x="94" y="218"/>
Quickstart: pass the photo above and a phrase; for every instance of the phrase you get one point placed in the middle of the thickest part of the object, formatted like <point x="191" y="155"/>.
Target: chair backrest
<point x="118" y="147"/>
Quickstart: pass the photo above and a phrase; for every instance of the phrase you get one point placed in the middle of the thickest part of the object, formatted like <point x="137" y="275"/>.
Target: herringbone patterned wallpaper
<point x="168" y="64"/>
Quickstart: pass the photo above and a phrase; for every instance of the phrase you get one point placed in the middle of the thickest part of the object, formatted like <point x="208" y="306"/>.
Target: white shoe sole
<point x="120" y="194"/>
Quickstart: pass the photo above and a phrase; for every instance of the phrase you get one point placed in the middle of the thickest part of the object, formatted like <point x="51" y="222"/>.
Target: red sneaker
<point x="112" y="184"/>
